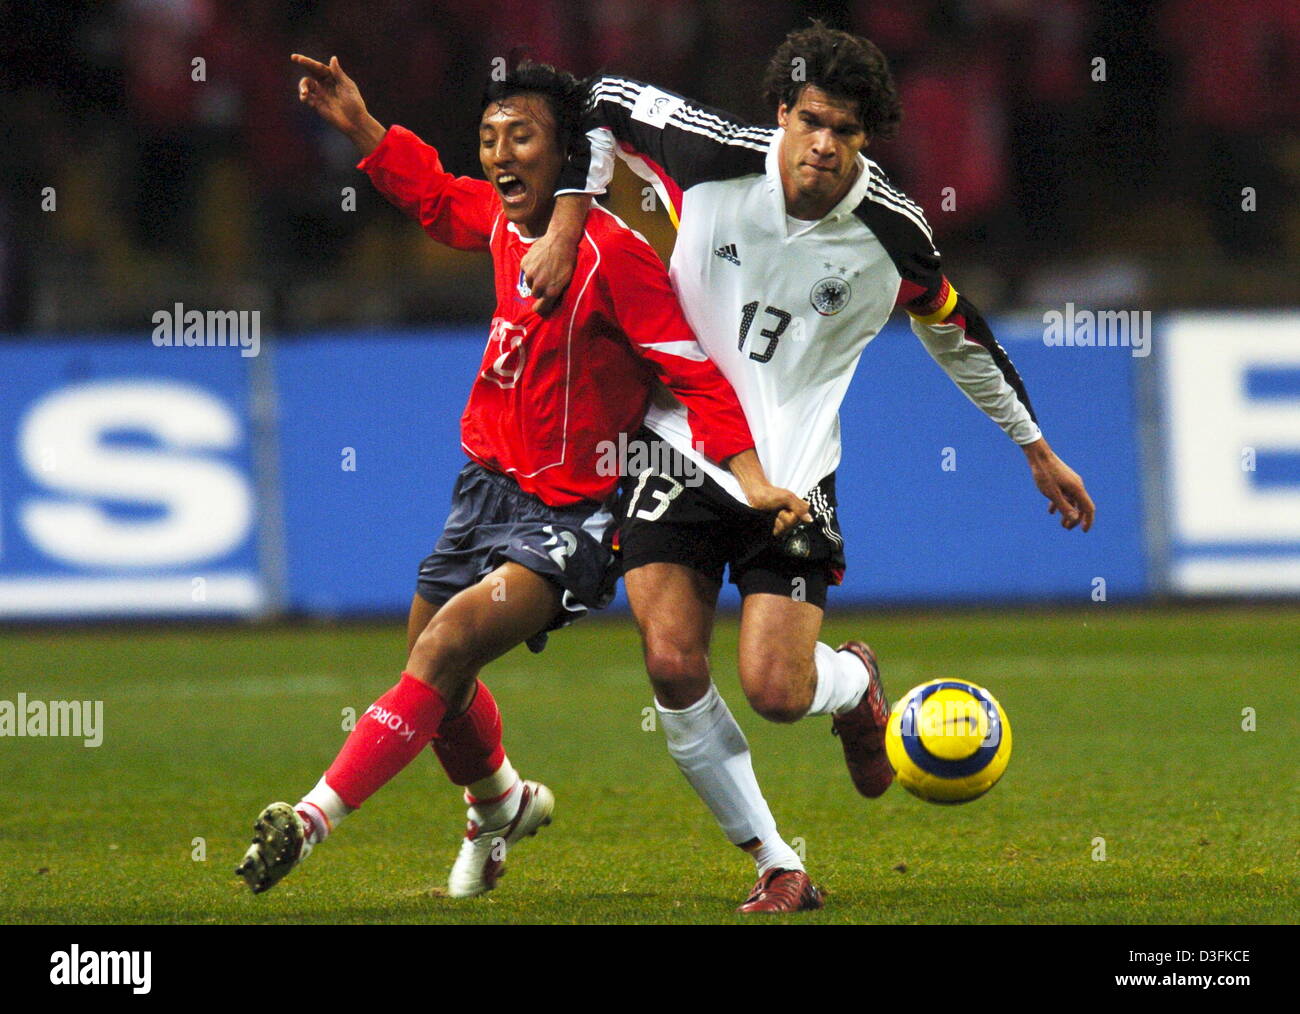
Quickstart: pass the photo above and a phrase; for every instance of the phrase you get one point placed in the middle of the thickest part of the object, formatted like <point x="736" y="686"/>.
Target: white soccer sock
<point x="776" y="855"/>
<point x="497" y="784"/>
<point x="712" y="753"/>
<point x="323" y="809"/>
<point x="841" y="680"/>
<point x="494" y="800"/>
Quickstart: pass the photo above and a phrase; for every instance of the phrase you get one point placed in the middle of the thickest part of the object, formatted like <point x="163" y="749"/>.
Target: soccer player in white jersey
<point x="793" y="251"/>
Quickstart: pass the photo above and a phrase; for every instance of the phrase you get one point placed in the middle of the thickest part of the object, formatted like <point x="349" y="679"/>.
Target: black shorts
<point x="492" y="520"/>
<point x="667" y="514"/>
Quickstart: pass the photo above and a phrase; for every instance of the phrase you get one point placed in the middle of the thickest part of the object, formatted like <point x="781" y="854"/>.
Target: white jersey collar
<point x="511" y="227"/>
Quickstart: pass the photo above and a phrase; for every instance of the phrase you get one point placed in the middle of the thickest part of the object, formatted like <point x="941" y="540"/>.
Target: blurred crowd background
<point x="1126" y="190"/>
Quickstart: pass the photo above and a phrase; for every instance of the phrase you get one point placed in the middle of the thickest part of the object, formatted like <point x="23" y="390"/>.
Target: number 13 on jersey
<point x="772" y="334"/>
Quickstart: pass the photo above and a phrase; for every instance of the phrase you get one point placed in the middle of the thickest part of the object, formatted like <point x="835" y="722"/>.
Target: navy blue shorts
<point x="492" y="520"/>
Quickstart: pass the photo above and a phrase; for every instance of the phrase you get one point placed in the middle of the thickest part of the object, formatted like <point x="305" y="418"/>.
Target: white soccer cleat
<point x="482" y="857"/>
<point x="279" y="844"/>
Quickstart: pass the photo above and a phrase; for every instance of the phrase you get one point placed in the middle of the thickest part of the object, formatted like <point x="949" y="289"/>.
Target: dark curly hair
<point x="563" y="92"/>
<point x="843" y="65"/>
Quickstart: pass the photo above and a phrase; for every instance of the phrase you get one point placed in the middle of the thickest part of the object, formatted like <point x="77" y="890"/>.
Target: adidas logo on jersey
<point x="728" y="253"/>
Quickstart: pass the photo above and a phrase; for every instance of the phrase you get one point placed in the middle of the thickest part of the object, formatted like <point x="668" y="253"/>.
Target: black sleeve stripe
<point x="978" y="331"/>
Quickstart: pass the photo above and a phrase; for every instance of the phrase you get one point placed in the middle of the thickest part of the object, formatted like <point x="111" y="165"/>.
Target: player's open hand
<point x="1061" y="485"/>
<point x="337" y="100"/>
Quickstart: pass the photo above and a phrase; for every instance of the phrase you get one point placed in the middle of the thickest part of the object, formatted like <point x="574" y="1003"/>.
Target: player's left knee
<point x="777" y="689"/>
<point x="777" y="703"/>
<point x="778" y="708"/>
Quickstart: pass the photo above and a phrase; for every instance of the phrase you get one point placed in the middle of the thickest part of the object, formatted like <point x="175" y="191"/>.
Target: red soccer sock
<point x="469" y="745"/>
<point x="390" y="735"/>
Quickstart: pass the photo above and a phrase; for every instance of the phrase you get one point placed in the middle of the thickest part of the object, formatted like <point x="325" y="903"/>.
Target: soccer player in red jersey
<point x="526" y="548"/>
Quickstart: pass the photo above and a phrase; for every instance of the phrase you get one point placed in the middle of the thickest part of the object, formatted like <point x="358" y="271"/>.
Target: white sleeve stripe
<point x="881" y="178"/>
<point x="713" y="135"/>
<point x="902" y="209"/>
<point x="632" y="90"/>
<point x="611" y="88"/>
<point x="761" y="134"/>
<point x="680" y="349"/>
<point x="625" y="94"/>
<point x="881" y="186"/>
<point x="703" y="116"/>
<point x="695" y="129"/>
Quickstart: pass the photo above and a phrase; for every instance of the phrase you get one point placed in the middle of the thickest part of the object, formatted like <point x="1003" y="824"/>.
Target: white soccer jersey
<point x="785" y="308"/>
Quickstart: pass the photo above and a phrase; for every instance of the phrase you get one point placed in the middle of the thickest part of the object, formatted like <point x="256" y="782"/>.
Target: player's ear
<point x="782" y="115"/>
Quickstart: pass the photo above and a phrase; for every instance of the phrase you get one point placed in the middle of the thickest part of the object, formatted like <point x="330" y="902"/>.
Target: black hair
<point x="842" y="65"/>
<point x="564" y="93"/>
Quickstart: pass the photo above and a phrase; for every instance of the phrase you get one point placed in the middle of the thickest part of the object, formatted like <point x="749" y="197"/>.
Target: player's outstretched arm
<point x="456" y="211"/>
<point x="964" y="346"/>
<point x="337" y="100"/>
<point x="1061" y="485"/>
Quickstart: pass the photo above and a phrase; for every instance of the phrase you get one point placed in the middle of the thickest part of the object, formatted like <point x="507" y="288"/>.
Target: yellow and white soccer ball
<point x="949" y="741"/>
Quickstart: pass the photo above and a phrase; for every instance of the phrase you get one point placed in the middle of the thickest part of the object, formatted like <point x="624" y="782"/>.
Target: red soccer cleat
<point x="862" y="730"/>
<point x="783" y="891"/>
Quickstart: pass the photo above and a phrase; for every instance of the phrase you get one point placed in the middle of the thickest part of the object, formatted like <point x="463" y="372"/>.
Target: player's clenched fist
<point x="337" y="99"/>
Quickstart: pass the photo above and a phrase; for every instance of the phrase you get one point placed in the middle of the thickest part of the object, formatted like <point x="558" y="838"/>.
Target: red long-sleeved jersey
<point x="552" y="389"/>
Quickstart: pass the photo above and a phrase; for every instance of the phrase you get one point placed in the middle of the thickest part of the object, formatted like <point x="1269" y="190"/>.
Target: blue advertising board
<point x="1230" y="389"/>
<point x="938" y="505"/>
<point x="140" y="481"/>
<point x="369" y="439"/>
<point x="127" y="485"/>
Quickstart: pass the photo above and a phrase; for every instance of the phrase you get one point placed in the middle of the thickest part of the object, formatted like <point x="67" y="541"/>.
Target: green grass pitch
<point x="1128" y="727"/>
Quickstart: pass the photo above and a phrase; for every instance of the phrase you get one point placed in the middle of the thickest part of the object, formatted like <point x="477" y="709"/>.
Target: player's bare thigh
<point x="477" y="625"/>
<point x="674" y="608"/>
<point x="778" y="635"/>
<point x="422" y="611"/>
